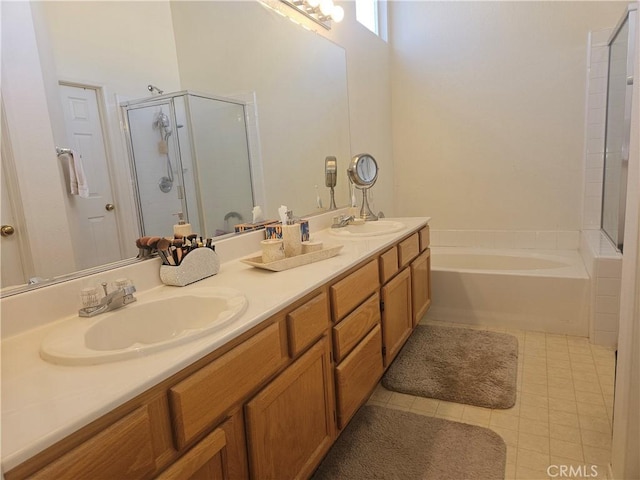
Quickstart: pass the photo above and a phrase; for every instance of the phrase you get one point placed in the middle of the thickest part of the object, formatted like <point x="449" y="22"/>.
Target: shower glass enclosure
<point x="189" y="155"/>
<point x="618" y="127"/>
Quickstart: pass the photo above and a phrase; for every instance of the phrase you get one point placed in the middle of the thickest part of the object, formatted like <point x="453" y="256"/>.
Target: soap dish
<point x="292" y="262"/>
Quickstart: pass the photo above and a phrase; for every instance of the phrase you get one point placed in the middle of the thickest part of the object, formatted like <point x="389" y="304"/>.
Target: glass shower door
<point x="618" y="129"/>
<point x="157" y="167"/>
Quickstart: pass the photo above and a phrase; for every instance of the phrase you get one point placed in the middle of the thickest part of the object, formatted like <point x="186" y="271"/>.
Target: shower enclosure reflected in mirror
<point x="618" y="129"/>
<point x="189" y="155"/>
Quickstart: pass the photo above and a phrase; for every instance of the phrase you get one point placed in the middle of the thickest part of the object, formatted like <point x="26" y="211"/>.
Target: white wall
<point x="488" y="111"/>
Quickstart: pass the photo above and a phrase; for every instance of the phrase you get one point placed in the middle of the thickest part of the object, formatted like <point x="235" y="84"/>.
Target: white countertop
<point x="43" y="403"/>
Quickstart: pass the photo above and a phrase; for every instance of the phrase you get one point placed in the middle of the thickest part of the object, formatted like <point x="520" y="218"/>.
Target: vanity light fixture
<point x="320" y="11"/>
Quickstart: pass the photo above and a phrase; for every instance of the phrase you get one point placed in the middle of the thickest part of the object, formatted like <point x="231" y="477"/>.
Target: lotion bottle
<point x="181" y="228"/>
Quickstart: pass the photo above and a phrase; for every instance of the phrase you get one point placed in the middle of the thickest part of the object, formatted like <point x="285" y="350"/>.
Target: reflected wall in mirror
<point x="111" y="51"/>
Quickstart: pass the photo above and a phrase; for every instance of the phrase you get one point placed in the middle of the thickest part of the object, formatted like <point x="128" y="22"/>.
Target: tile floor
<point x="563" y="411"/>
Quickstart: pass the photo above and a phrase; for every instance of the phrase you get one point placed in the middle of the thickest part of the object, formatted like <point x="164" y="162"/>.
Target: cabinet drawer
<point x="207" y="394"/>
<point x="355" y="326"/>
<point x="424" y="238"/>
<point x="123" y="450"/>
<point x="352" y="290"/>
<point x="388" y="264"/>
<point x="307" y="323"/>
<point x="357" y="375"/>
<point x="408" y="249"/>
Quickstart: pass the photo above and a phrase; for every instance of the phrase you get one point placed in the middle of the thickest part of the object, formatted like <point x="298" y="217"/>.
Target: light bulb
<point x="313" y="3"/>
<point x="337" y="14"/>
<point x="326" y="7"/>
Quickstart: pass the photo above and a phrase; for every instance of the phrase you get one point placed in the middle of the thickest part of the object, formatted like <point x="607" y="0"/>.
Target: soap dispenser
<point x="291" y="236"/>
<point x="182" y="229"/>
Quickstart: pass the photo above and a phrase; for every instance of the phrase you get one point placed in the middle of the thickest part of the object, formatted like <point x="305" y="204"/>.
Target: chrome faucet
<point x="342" y="221"/>
<point x="111" y="301"/>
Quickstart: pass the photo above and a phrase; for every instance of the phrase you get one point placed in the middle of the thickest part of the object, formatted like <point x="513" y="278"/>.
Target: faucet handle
<point x="89" y="297"/>
<point x="129" y="289"/>
<point x="122" y="283"/>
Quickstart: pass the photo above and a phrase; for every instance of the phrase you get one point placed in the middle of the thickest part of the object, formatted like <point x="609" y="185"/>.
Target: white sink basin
<point x="143" y="327"/>
<point x="368" y="229"/>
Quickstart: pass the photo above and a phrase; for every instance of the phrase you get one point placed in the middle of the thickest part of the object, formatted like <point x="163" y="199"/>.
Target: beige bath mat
<point x="381" y="443"/>
<point x="458" y="365"/>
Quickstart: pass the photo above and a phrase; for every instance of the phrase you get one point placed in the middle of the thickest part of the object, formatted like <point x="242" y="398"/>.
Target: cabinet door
<point x="207" y="460"/>
<point x="421" y="285"/>
<point x="290" y="424"/>
<point x="220" y="455"/>
<point x="358" y="375"/>
<point x="397" y="322"/>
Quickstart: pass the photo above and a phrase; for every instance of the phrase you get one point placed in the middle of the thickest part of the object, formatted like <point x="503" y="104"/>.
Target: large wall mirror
<point x="90" y="58"/>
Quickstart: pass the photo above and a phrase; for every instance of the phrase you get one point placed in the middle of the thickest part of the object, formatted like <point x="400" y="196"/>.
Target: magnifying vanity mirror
<point x="363" y="173"/>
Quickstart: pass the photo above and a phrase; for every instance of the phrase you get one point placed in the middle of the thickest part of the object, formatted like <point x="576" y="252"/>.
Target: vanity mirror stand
<point x="363" y="173"/>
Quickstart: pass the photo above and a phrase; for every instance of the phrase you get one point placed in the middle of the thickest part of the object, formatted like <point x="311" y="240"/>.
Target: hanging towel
<point x="77" y="179"/>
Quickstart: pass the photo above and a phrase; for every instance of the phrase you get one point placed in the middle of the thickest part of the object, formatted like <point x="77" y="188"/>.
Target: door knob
<point x="109" y="207"/>
<point x="7" y="230"/>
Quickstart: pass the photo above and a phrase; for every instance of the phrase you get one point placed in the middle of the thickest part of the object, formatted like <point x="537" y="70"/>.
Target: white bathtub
<point x="543" y="290"/>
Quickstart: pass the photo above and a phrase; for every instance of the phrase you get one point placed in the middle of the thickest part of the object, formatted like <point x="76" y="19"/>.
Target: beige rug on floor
<point x="457" y="365"/>
<point x="381" y="443"/>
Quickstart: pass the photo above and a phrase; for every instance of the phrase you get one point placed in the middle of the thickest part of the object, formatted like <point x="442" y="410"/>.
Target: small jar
<point x="311" y="246"/>
<point x="272" y="250"/>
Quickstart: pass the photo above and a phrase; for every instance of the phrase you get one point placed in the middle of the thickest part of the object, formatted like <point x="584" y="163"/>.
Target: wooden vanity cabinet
<point x="290" y="423"/>
<point x="270" y="402"/>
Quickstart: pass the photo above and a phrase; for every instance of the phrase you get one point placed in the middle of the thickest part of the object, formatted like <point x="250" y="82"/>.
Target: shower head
<point x="151" y="88"/>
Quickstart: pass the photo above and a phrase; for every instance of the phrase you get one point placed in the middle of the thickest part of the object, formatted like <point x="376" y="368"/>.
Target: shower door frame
<point x="252" y="156"/>
<point x="629" y="18"/>
<point x="160" y="100"/>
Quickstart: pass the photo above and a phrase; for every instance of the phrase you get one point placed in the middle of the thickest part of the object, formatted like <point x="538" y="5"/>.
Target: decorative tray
<point x="292" y="262"/>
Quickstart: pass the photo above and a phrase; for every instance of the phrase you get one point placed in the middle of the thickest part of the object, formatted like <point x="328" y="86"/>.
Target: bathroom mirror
<point x="250" y="49"/>
<point x="363" y="173"/>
